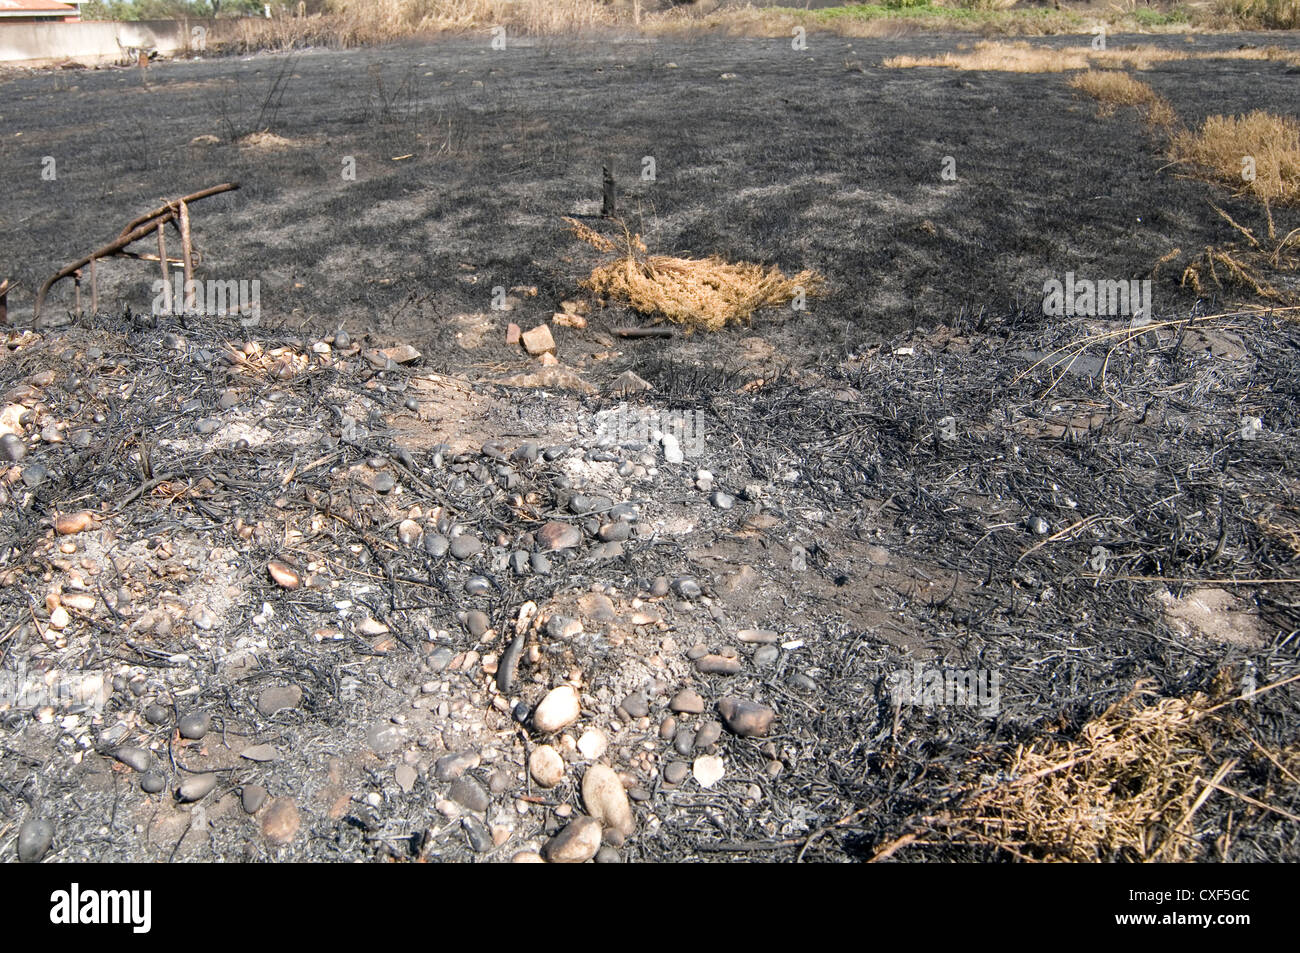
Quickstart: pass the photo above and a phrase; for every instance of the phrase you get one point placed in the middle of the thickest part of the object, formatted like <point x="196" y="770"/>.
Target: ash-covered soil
<point x="269" y="593"/>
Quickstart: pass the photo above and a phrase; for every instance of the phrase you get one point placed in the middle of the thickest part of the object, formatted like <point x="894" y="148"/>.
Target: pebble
<point x="1039" y="525"/>
<point x="708" y="770"/>
<point x="383" y="482"/>
<point x="152" y="782"/>
<point x="383" y="737"/>
<point x="668" y="728"/>
<point x="252" y="797"/>
<point x="687" y="702"/>
<point x="451" y="766"/>
<point x="746" y="718"/>
<point x="405" y="776"/>
<point x="477" y="622"/>
<point x="157" y="714"/>
<point x="687" y="587"/>
<point x="559" y="709"/>
<point x="135" y="758"/>
<point x="672" y="449"/>
<point x="659" y="588"/>
<point x="478" y="586"/>
<point x="194" y="725"/>
<point x="635" y="705"/>
<point x="709" y="734"/>
<point x="463" y="547"/>
<point x="717" y="665"/>
<point x="285" y="576"/>
<point x="12" y="448"/>
<point x="593" y="744"/>
<point x="684" y="740"/>
<point x="480" y="838"/>
<point x="563" y="627"/>
<point x="676" y="771"/>
<point x="409" y="533"/>
<point x="260" y="753"/>
<point x="59" y="618"/>
<point x="468" y="793"/>
<point x="195" y="787"/>
<point x="540" y="563"/>
<point x="527" y="857"/>
<point x="577" y="843"/>
<point x="281" y="821"/>
<point x="69" y="524"/>
<point x="436" y="545"/>
<point x="556" y="536"/>
<point x="277" y="698"/>
<point x="546" y="766"/>
<point x="760" y="636"/>
<point x="35" y="837"/>
<point x="615" y="532"/>
<point x="802" y="682"/>
<point x="766" y="655"/>
<point x="723" y="501"/>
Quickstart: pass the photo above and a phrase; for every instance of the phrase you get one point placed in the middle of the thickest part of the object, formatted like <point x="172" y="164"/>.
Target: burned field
<point x="919" y="573"/>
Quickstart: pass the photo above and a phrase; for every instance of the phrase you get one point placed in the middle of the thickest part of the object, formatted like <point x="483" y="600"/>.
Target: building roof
<point x="36" y="8"/>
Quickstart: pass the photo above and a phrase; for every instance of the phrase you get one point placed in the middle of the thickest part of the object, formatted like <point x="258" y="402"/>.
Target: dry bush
<point x="1253" y="263"/>
<point x="1001" y="57"/>
<point x="706" y="294"/>
<point x="1112" y="88"/>
<point x="1127" y="787"/>
<point x="1215" y="152"/>
<point x="1257" y="14"/>
<point x="1022" y="57"/>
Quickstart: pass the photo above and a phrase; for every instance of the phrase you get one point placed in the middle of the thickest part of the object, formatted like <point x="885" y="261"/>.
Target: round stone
<point x="559" y="709"/>
<point x="463" y="547"/>
<point x="546" y="766"/>
<point x="194" y="726"/>
<point x="152" y="783"/>
<point x="36" y="835"/>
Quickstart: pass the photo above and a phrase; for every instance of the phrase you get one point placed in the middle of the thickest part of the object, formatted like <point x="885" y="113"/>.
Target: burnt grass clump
<point x="921" y="469"/>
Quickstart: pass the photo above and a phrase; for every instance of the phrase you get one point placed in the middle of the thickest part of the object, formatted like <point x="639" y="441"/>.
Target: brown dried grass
<point x="699" y="293"/>
<point x="1127" y="786"/>
<point x="1113" y="88"/>
<point x="1023" y="57"/>
<point x="1216" y="150"/>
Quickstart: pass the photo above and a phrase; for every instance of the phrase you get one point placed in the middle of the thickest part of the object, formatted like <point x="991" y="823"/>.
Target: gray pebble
<point x="635" y="705"/>
<point x="541" y="563"/>
<point x="607" y="855"/>
<point x="687" y="587"/>
<point x="34" y="839"/>
<point x="477" y="586"/>
<point x="196" y="787"/>
<point x="708" y="734"/>
<point x="252" y="797"/>
<point x="155" y="714"/>
<point x="480" y="839"/>
<point x="723" y="501"/>
<point x="676" y="772"/>
<point x="685" y="740"/>
<point x="766" y="655"/>
<point x="519" y="563"/>
<point x="463" y="547"/>
<point x="34" y="475"/>
<point x="12" y="448"/>
<point x="468" y="793"/>
<point x="194" y="726"/>
<point x="451" y="766"/>
<point x="152" y="782"/>
<point x="208" y="425"/>
<point x="477" y="622"/>
<point x="526" y="453"/>
<point x="436" y="545"/>
<point x="277" y="698"/>
<point x="135" y="758"/>
<point x="615" y="532"/>
<point x="383" y="482"/>
<point x="659" y="587"/>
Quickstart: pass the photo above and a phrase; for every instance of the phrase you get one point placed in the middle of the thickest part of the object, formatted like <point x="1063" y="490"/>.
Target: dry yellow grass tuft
<point x="707" y="293"/>
<point x="1112" y="88"/>
<point x="1001" y="57"/>
<point x="1128" y="785"/>
<point x="1257" y="154"/>
<point x="1022" y="57"/>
